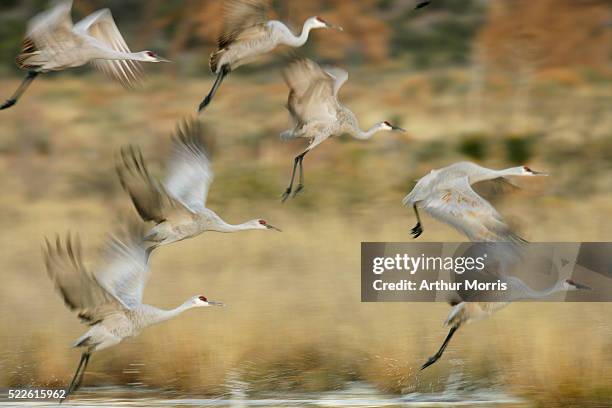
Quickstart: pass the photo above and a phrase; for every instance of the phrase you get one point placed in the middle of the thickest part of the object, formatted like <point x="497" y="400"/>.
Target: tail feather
<point x="288" y="135"/>
<point x="82" y="341"/>
<point x="213" y="63"/>
<point x="152" y="236"/>
<point x="406" y="200"/>
<point x="456" y="315"/>
<point x="29" y="57"/>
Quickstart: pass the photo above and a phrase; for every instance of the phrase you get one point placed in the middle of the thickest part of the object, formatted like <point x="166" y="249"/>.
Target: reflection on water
<point x="354" y="395"/>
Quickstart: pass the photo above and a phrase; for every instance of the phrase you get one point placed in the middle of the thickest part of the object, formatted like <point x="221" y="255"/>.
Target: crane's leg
<point x="22" y="88"/>
<point x="80" y="380"/>
<point x="225" y="69"/>
<point x="78" y="377"/>
<point x="287" y="192"/>
<point x="418" y="229"/>
<point x="300" y="186"/>
<point x="436" y="356"/>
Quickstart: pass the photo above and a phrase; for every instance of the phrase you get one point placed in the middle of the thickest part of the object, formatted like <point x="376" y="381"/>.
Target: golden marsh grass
<point x="294" y="320"/>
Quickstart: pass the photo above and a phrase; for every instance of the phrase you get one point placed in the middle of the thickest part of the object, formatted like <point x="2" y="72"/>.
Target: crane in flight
<point x="447" y="195"/>
<point x="53" y="43"/>
<point x="109" y="298"/>
<point x="317" y="113"/>
<point x="248" y="33"/>
<point x="464" y="312"/>
<point x="178" y="206"/>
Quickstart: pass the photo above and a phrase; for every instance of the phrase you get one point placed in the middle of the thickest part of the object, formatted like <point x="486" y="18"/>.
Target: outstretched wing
<point x="311" y="92"/>
<point x="101" y="27"/>
<point x="189" y="172"/>
<point x="242" y="18"/>
<point x="56" y="18"/>
<point x="339" y="75"/>
<point x="148" y="196"/>
<point x="457" y="204"/>
<point x="125" y="269"/>
<point x="79" y="288"/>
<point x="50" y="31"/>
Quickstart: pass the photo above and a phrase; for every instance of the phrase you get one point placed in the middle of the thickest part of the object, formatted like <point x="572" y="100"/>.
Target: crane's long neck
<point x="225" y="227"/>
<point x="530" y="293"/>
<point x="295" y="40"/>
<point x="364" y="135"/>
<point x="489" y="174"/>
<point x="216" y="223"/>
<point x="153" y="315"/>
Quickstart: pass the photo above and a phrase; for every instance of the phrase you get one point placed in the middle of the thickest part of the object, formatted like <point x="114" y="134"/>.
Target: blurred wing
<point x="77" y="286"/>
<point x="101" y="26"/>
<point x="51" y="30"/>
<point x="56" y="18"/>
<point x="148" y="197"/>
<point x="189" y="173"/>
<point x="311" y="95"/>
<point x="339" y="75"/>
<point x="493" y="187"/>
<point x="242" y="18"/>
<point x="126" y="269"/>
<point x="458" y="205"/>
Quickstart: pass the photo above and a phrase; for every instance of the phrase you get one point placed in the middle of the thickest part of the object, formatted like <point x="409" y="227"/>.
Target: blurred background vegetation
<point x="500" y="83"/>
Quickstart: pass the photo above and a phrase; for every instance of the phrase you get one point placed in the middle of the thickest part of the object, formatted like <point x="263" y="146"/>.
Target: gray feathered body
<point x="186" y="226"/>
<point x="439" y="178"/>
<point x="260" y="40"/>
<point x="119" y="325"/>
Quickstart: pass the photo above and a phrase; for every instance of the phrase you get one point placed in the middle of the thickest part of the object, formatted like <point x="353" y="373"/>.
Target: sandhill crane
<point x="247" y="34"/>
<point x="53" y="43"/>
<point x="466" y="312"/>
<point x="447" y="194"/>
<point x="109" y="299"/>
<point x="316" y="111"/>
<point x="178" y="206"/>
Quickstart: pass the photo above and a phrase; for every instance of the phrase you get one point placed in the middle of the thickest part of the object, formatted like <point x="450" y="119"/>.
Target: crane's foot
<point x="8" y="103"/>
<point x="286" y="194"/>
<point x="417" y="230"/>
<point x="204" y="104"/>
<point x="299" y="188"/>
<point x="429" y="362"/>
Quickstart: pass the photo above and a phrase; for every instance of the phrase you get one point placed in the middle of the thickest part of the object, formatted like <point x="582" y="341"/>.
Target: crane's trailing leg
<point x="78" y="375"/>
<point x="287" y="192"/>
<point x="225" y="69"/>
<point x="300" y="186"/>
<point x="436" y="356"/>
<point x="22" y="88"/>
<point x="417" y="230"/>
<point x="296" y="161"/>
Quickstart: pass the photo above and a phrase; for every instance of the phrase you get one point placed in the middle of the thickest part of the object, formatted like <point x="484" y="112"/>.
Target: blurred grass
<point x="294" y="320"/>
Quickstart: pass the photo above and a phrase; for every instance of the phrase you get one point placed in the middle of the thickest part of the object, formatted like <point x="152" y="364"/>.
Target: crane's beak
<point x="272" y="227"/>
<point x="215" y="303"/>
<point x="335" y="27"/>
<point x="160" y="59"/>
<point x="538" y="173"/>
<point x="397" y="128"/>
